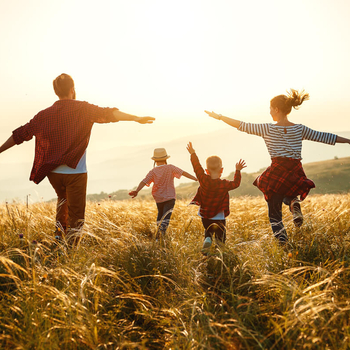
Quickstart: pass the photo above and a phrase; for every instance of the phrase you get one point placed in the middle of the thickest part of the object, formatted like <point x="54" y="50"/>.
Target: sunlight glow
<point x="173" y="60"/>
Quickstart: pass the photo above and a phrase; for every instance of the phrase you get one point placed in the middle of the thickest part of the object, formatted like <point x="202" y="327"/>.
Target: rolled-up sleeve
<point x="24" y="132"/>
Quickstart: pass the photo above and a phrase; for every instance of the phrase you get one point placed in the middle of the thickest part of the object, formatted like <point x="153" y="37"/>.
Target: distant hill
<point x="119" y="169"/>
<point x="329" y="176"/>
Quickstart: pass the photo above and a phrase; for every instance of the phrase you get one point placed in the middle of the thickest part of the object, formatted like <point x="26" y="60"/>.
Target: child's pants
<point x="215" y="226"/>
<point x="165" y="209"/>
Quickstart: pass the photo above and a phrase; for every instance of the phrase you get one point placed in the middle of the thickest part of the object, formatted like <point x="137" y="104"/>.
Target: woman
<point x="284" y="181"/>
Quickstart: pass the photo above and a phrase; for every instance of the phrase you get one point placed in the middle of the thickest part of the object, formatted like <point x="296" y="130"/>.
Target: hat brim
<point x="160" y="158"/>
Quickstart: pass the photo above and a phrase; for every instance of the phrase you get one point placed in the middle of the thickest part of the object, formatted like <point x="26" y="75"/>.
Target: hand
<point x="145" y="120"/>
<point x="190" y="149"/>
<point x="133" y="194"/>
<point x="214" y="115"/>
<point x="240" y="165"/>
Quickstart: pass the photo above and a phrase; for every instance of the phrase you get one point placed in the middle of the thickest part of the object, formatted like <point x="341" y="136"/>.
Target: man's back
<point x="62" y="134"/>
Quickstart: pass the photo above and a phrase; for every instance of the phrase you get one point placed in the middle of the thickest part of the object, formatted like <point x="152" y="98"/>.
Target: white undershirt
<point x="80" y="169"/>
<point x="218" y="216"/>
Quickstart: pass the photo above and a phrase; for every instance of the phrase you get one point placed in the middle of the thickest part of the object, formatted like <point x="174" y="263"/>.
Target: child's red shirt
<point x="212" y="195"/>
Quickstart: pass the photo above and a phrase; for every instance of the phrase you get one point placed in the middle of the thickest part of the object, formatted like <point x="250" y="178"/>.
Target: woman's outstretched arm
<point x="232" y="122"/>
<point x="342" y="140"/>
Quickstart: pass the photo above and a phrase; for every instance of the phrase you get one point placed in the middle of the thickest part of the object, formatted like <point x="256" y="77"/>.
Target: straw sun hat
<point x="160" y="154"/>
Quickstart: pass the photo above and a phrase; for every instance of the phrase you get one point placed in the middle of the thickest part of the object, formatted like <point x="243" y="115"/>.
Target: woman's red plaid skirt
<point x="284" y="176"/>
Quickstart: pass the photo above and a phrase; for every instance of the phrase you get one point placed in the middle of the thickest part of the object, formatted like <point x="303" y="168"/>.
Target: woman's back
<point x="286" y="141"/>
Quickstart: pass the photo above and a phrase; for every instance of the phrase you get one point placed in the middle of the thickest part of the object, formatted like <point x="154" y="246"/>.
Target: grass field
<point x="119" y="289"/>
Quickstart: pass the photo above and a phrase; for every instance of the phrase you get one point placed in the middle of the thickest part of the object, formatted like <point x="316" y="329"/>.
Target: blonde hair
<point x="214" y="163"/>
<point x="293" y="99"/>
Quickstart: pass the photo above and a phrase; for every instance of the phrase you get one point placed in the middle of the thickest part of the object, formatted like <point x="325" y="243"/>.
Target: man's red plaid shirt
<point x="212" y="195"/>
<point x="62" y="133"/>
<point x="284" y="176"/>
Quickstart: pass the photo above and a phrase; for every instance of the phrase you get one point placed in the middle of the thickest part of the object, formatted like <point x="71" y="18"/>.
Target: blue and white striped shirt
<point x="285" y="141"/>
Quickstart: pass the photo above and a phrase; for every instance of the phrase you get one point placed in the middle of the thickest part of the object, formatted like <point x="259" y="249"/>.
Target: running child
<point x="163" y="191"/>
<point x="212" y="196"/>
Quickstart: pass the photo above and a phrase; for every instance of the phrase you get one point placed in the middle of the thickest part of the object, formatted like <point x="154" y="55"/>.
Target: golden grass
<point x="119" y="289"/>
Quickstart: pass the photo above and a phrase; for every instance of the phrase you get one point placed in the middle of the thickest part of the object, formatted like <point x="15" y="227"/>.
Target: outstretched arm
<point x="134" y="193"/>
<point x="189" y="176"/>
<point x="342" y="140"/>
<point x="8" y="144"/>
<point x="232" y="122"/>
<point x="121" y="116"/>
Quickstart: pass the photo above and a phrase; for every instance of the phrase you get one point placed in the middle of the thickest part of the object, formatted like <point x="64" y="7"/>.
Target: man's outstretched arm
<point x="121" y="116"/>
<point x="8" y="144"/>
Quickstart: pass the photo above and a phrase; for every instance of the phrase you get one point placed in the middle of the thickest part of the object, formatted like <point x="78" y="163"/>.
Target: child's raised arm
<point x="240" y="165"/>
<point x="190" y="148"/>
<point x="134" y="193"/>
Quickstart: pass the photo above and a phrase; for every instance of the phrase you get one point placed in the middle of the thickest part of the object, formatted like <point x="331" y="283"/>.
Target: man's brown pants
<point x="71" y="200"/>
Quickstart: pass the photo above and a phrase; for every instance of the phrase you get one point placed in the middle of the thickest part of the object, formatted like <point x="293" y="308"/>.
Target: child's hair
<point x="156" y="162"/>
<point x="214" y="163"/>
<point x="293" y="99"/>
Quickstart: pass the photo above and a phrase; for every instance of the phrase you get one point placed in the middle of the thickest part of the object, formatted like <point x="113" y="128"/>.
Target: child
<point x="212" y="196"/>
<point x="163" y="191"/>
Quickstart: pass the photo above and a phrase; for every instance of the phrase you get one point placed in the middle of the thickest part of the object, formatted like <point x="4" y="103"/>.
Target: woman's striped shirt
<point x="285" y="141"/>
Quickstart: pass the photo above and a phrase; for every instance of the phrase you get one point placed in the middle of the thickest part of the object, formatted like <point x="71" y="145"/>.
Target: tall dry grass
<point x="119" y="289"/>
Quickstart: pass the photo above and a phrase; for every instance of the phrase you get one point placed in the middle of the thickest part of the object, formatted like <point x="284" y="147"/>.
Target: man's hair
<point x="62" y="85"/>
<point x="214" y="163"/>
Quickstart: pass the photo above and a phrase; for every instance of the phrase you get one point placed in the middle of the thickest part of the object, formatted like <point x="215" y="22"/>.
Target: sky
<point x="173" y="59"/>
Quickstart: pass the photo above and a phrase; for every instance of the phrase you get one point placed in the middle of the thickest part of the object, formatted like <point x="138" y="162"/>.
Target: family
<point x="62" y="134"/>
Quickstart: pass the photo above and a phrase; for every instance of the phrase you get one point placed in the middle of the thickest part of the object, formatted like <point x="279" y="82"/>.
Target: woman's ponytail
<point x="293" y="99"/>
<point x="296" y="98"/>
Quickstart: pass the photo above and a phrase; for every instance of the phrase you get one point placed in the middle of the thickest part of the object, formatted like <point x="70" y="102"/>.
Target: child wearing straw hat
<point x="163" y="191"/>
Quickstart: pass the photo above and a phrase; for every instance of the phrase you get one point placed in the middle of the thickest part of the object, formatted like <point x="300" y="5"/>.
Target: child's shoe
<point x="206" y="245"/>
<point x="296" y="211"/>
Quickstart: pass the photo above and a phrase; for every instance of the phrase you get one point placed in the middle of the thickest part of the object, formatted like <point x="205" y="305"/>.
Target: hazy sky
<point x="172" y="60"/>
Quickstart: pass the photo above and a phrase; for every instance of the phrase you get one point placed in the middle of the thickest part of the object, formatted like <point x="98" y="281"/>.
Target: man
<point x="62" y="134"/>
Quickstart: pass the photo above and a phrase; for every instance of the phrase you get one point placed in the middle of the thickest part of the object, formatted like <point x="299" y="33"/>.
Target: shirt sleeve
<point x="236" y="180"/>
<point x="232" y="184"/>
<point x="99" y="114"/>
<point x="24" y="132"/>
<point x="177" y="172"/>
<point x="149" y="178"/>
<point x="197" y="168"/>
<point x="313" y="135"/>
<point x="254" y="129"/>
